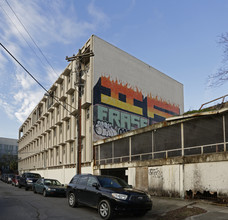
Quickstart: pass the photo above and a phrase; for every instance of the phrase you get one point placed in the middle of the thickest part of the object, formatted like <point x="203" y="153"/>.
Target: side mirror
<point x="96" y="185"/>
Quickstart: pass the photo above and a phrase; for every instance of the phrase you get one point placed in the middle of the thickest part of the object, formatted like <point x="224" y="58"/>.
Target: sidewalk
<point x="179" y="209"/>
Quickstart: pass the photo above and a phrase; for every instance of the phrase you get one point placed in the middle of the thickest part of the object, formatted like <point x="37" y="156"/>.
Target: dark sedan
<point x="49" y="187"/>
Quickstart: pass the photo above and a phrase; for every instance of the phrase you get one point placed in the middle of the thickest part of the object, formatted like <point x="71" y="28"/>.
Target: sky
<point x="177" y="37"/>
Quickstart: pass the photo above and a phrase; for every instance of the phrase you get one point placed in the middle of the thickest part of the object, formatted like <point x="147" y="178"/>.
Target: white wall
<point x="207" y="177"/>
<point x="63" y="175"/>
<point x="121" y="66"/>
<point x="174" y="180"/>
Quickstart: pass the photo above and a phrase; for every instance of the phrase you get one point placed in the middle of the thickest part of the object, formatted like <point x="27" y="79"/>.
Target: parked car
<point x="27" y="180"/>
<point x="15" y="180"/>
<point x="4" y="177"/>
<point x="110" y="195"/>
<point x="49" y="187"/>
<point x="9" y="178"/>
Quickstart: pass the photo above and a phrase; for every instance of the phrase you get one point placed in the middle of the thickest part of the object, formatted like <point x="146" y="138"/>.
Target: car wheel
<point x="26" y="188"/>
<point x="72" y="200"/>
<point x="19" y="185"/>
<point x="45" y="193"/>
<point x="34" y="190"/>
<point x="105" y="210"/>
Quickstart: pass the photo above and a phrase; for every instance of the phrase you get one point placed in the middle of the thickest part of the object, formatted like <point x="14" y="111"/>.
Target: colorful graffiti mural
<point x="119" y="108"/>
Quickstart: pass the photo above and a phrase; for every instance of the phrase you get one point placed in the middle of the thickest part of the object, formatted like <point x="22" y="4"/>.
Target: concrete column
<point x="54" y="157"/>
<point x="182" y="139"/>
<point x="224" y="132"/>
<point x="129" y="148"/>
<point x="181" y="179"/>
<point x="152" y="134"/>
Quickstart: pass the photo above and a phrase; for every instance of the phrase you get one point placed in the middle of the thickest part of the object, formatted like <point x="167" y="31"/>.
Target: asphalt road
<point x="19" y="204"/>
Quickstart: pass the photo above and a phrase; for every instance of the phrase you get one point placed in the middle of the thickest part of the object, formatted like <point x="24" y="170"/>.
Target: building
<point x="185" y="156"/>
<point x="8" y="151"/>
<point x="119" y="93"/>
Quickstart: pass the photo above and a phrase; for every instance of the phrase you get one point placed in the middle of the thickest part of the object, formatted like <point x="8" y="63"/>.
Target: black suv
<point x="110" y="195"/>
<point x="27" y="180"/>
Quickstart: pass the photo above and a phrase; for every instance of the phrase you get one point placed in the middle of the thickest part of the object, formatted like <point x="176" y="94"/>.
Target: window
<point x="83" y="180"/>
<point x="91" y="181"/>
<point x="87" y="113"/>
<point x="64" y="104"/>
<point x="60" y="129"/>
<point x="81" y="90"/>
<point x="72" y="98"/>
<point x="69" y="79"/>
<point x="74" y="179"/>
<point x="68" y="124"/>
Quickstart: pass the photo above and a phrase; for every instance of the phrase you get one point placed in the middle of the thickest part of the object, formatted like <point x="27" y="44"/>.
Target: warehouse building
<point x="113" y="92"/>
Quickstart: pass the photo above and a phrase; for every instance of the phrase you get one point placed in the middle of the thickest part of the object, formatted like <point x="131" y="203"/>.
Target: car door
<point x="39" y="186"/>
<point x="92" y="192"/>
<point x="81" y="188"/>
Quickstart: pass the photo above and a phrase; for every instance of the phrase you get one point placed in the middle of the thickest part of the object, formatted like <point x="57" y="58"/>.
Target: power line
<point x="21" y="34"/>
<point x="31" y="37"/>
<point x="23" y="67"/>
<point x="33" y="76"/>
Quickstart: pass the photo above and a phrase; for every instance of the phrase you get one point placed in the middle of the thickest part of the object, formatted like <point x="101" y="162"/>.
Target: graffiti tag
<point x="106" y="129"/>
<point x="156" y="173"/>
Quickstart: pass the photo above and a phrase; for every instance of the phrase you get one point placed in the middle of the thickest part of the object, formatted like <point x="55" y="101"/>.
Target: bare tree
<point x="221" y="76"/>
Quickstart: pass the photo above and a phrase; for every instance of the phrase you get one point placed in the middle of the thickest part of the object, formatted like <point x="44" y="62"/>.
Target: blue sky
<point x="177" y="37"/>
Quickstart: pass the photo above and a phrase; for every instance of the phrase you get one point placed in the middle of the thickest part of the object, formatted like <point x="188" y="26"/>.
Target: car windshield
<point x="50" y="182"/>
<point x="33" y="175"/>
<point x="112" y="182"/>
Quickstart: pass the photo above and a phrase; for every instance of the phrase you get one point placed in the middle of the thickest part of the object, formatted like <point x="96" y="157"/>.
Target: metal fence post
<point x="224" y="132"/>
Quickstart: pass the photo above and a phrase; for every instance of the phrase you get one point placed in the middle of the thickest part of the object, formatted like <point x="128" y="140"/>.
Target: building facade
<point x="8" y="151"/>
<point x="119" y="93"/>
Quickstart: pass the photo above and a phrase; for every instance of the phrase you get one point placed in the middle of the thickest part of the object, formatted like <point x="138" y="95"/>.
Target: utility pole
<point x="78" y="69"/>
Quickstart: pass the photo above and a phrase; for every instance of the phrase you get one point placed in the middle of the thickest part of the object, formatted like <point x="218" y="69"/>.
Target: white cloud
<point x="3" y="62"/>
<point x="51" y="24"/>
<point x="7" y="108"/>
<point x="100" y="18"/>
<point x="28" y="102"/>
<point x="24" y="80"/>
<point x="52" y="75"/>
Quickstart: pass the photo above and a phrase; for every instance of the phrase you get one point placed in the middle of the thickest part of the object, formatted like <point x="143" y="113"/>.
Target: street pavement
<point x="162" y="206"/>
<point x="20" y="204"/>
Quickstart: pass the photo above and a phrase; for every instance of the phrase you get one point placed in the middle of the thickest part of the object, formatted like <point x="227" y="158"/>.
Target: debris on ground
<point x="182" y="213"/>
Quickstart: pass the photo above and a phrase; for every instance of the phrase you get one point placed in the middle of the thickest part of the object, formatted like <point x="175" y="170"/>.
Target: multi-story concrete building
<point x="119" y="93"/>
<point x="8" y="151"/>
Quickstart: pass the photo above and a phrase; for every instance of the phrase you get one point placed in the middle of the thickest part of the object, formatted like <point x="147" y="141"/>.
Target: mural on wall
<point x="119" y="108"/>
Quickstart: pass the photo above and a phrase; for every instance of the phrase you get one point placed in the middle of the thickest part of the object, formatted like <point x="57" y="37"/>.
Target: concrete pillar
<point x="181" y="179"/>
